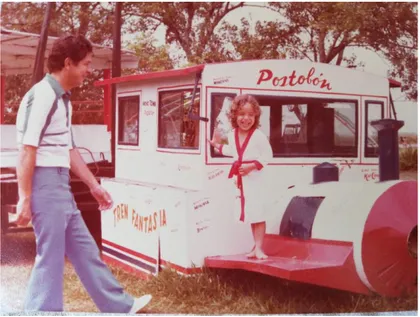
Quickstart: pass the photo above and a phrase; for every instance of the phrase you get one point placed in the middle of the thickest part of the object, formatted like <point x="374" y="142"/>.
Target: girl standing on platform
<point x="251" y="151"/>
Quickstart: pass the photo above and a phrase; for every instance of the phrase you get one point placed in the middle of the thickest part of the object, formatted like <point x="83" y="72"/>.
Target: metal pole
<point x="116" y="72"/>
<point x="38" y="72"/>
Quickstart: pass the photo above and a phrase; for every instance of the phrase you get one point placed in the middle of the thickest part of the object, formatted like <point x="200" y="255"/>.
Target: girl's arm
<point x="224" y="149"/>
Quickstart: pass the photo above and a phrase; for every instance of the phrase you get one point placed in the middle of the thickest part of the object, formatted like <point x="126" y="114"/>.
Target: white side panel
<point x="132" y="223"/>
<point x="302" y="76"/>
<point x="148" y="163"/>
<point x="213" y="229"/>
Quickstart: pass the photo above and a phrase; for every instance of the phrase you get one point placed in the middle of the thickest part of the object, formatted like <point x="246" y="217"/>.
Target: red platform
<point x="320" y="262"/>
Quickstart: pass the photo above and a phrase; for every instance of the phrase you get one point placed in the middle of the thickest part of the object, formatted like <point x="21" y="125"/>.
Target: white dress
<point x="257" y="148"/>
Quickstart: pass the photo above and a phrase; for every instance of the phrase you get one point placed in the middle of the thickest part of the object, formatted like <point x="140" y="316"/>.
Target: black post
<point x="389" y="158"/>
<point x="116" y="72"/>
<point x="38" y="72"/>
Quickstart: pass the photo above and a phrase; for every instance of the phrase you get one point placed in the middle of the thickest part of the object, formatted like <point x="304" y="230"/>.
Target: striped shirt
<point x="44" y="121"/>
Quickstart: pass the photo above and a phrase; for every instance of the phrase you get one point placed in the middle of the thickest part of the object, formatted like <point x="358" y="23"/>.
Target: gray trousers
<point x="60" y="231"/>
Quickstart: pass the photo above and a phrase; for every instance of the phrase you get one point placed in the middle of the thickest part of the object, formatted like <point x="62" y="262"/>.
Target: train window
<point x="128" y="120"/>
<point x="374" y="111"/>
<point x="298" y="127"/>
<point x="301" y="127"/>
<point x="176" y="130"/>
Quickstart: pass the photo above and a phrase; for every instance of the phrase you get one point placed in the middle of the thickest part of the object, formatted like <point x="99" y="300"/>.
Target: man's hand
<point x="102" y="197"/>
<point x="23" y="209"/>
<point x="246" y="168"/>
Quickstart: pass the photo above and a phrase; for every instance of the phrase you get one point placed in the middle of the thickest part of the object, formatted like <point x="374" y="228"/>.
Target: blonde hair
<point x="238" y="103"/>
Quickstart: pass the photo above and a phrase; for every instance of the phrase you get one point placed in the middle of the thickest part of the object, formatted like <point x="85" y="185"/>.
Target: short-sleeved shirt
<point x="44" y="121"/>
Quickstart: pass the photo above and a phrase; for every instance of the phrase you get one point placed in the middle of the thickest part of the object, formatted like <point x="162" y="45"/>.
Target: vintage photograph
<point x="209" y="158"/>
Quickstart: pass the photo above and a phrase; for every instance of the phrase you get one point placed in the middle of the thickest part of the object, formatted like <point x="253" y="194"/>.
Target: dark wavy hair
<point x="74" y="47"/>
<point x="236" y="106"/>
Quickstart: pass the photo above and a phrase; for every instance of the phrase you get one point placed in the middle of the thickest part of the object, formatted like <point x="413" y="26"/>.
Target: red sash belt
<point x="234" y="170"/>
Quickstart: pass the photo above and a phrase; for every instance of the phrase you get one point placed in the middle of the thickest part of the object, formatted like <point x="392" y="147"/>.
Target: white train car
<point x="173" y="199"/>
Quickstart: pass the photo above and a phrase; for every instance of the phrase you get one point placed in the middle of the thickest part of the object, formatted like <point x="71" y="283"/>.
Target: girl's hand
<point x="245" y="169"/>
<point x="216" y="138"/>
<point x="213" y="143"/>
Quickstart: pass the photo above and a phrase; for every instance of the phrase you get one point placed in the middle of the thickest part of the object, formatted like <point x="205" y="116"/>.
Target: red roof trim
<point x="393" y="83"/>
<point x="153" y="75"/>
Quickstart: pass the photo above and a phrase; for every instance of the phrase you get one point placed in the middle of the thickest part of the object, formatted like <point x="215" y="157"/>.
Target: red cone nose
<point x="389" y="244"/>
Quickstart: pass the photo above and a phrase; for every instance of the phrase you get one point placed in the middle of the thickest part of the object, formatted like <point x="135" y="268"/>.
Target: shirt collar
<point x="59" y="91"/>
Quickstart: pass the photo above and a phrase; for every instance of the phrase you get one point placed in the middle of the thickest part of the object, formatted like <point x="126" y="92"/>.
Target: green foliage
<point x="324" y="32"/>
<point x="189" y="25"/>
<point x="151" y="57"/>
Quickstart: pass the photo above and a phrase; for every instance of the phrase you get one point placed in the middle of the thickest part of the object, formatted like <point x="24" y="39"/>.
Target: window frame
<point x="299" y="99"/>
<point x="120" y="118"/>
<point x="367" y="152"/>
<point x="296" y="99"/>
<point x="186" y="150"/>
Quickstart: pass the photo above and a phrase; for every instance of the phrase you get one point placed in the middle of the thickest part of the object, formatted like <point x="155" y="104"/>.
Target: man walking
<point x="46" y="153"/>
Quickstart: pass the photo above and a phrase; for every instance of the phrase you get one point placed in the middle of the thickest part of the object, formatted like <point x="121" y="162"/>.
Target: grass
<point x="408" y="159"/>
<point x="215" y="292"/>
<point x="409" y="155"/>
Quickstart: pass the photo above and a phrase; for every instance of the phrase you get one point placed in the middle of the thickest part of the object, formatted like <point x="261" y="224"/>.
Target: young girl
<point x="251" y="150"/>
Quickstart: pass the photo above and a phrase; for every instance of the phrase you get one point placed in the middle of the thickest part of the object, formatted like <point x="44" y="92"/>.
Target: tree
<point x="151" y="57"/>
<point x="91" y="19"/>
<point x="324" y="32"/>
<point x="190" y="25"/>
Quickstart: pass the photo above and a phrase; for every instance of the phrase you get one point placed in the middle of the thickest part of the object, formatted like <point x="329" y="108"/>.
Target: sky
<point x="406" y="110"/>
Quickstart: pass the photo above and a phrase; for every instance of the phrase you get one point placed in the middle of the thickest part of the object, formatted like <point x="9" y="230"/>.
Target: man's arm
<point x="80" y="169"/>
<point x="25" y="170"/>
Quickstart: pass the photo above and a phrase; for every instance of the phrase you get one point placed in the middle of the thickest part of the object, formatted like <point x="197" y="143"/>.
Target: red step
<point x="326" y="263"/>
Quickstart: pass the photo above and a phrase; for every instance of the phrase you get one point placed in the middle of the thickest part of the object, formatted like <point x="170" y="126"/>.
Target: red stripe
<point x="177" y="267"/>
<point x="128" y="91"/>
<point x="286" y="164"/>
<point x="305" y="91"/>
<point x="359" y="136"/>
<point x="137" y="254"/>
<point x="312" y="240"/>
<point x="181" y="151"/>
<point x="185" y="270"/>
<point x="128" y="149"/>
<point x="178" y="86"/>
<point x="126" y="267"/>
<point x="154" y="75"/>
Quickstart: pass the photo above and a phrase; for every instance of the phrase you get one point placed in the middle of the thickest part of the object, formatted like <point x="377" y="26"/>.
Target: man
<point x="47" y="152"/>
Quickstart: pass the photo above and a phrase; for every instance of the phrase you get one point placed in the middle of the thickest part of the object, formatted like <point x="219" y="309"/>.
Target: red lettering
<point x="141" y="223"/>
<point x="292" y="76"/>
<point x="149" y="228"/>
<point x="284" y="79"/>
<point x="325" y="84"/>
<point x="125" y="212"/>
<point x="301" y="79"/>
<point x="133" y="218"/>
<point x="294" y="79"/>
<point x="154" y="220"/>
<point x="310" y="73"/>
<point x="163" y="218"/>
<point x="265" y="74"/>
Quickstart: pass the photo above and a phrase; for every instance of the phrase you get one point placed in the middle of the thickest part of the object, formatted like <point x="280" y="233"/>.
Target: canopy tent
<point x="18" y="50"/>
